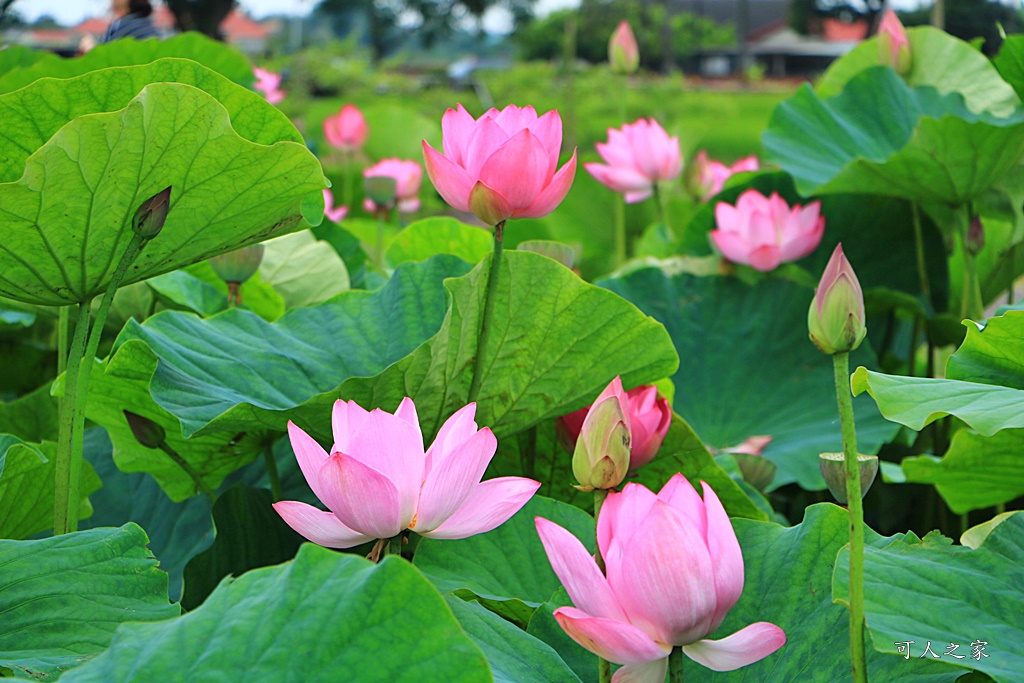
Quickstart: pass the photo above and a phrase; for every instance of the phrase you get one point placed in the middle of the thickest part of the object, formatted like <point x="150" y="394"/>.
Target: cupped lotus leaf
<point x="937" y="59"/>
<point x="323" y="617"/>
<point x="68" y="219"/>
<point x="882" y="137"/>
<point x="214" y="54"/>
<point x="992" y="353"/>
<point x="35" y="113"/>
<point x="439" y="235"/>
<point x="305" y="271"/>
<point x="929" y="591"/>
<point x="748" y="369"/>
<point x="63" y="597"/>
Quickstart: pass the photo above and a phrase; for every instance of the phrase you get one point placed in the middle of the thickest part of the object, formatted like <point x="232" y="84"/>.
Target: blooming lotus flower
<point x="601" y="457"/>
<point x="893" y="44"/>
<point x="378" y="480"/>
<point x="334" y="214"/>
<point x="649" y="418"/>
<point x="836" y="317"/>
<point x="623" y="52"/>
<point x="674" y="570"/>
<point x="709" y="176"/>
<point x="502" y="165"/>
<point x="407" y="175"/>
<point x="638" y="157"/>
<point x="268" y="83"/>
<point x="763" y="231"/>
<point x="347" y="130"/>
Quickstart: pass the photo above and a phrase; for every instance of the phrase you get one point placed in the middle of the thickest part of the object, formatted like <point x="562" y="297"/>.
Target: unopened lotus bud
<point x="893" y="44"/>
<point x="381" y="190"/>
<point x="145" y="431"/>
<point x="239" y="265"/>
<point x="623" y="52"/>
<point x="975" y="236"/>
<point x="836" y="317"/>
<point x="833" y="469"/>
<point x="601" y="457"/>
<point x="151" y="214"/>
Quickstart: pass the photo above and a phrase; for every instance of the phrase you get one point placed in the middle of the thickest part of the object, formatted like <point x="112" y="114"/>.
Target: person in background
<point x="132" y="21"/>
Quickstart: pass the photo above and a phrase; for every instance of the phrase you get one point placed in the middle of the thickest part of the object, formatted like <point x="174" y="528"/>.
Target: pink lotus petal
<point x="680" y="494"/>
<point x="456" y="430"/>
<point x="621" y="516"/>
<point x="456" y="127"/>
<point x="363" y="499"/>
<point x="732" y="245"/>
<point x="407" y="411"/>
<point x="615" y="641"/>
<point x="310" y="456"/>
<point x="452" y="480"/>
<point x="393" y="447"/>
<point x="552" y="195"/>
<point x="620" y="179"/>
<point x="485" y="140"/>
<point x="346" y="418"/>
<point x="578" y="572"/>
<point x="548" y="129"/>
<point x="450" y="180"/>
<point x="517" y="170"/>
<point x="513" y="119"/>
<point x="489" y="506"/>
<point x="765" y="258"/>
<point x="746" y="646"/>
<point x="322" y="528"/>
<point x="648" y="672"/>
<point x="725" y="557"/>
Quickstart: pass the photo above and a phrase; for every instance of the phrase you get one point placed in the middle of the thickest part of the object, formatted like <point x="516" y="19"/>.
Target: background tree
<point x="204" y="16"/>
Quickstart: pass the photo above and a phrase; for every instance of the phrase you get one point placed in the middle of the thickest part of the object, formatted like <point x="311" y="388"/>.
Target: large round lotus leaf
<point x="938" y="59"/>
<point x="67" y="221"/>
<point x="214" y="54"/>
<point x="881" y="137"/>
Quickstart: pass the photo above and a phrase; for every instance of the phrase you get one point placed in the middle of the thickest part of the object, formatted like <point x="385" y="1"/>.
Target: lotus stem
<point x="65" y="498"/>
<point x="395" y="546"/>
<point x="922" y="265"/>
<point x="488" y="313"/>
<point x="675" y="665"/>
<point x="604" y="667"/>
<point x="63" y="336"/>
<point x="855" y="505"/>
<point x="272" y="475"/>
<point x="620" y="230"/>
<point x="197" y="480"/>
<point x="661" y="197"/>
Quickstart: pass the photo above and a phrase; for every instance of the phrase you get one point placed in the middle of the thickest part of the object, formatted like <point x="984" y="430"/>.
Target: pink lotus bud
<point x="763" y="231"/>
<point x="601" y="457"/>
<point x="334" y="214"/>
<point x="378" y="480"/>
<point x="347" y="130"/>
<point x="623" y="52"/>
<point x="268" y="83"/>
<point x="706" y="177"/>
<point x="975" y="236"/>
<point x="836" y="316"/>
<point x="893" y="45"/>
<point x="673" y="571"/>
<point x="649" y="420"/>
<point x="151" y="214"/>
<point x="502" y="165"/>
<point x="407" y="176"/>
<point x="638" y="157"/>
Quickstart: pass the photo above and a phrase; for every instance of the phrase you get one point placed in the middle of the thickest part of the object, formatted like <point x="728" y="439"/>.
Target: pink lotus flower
<point x="268" y="83"/>
<point x="407" y="174"/>
<point x="623" y="52"/>
<point x="335" y="215"/>
<point x="649" y="418"/>
<point x="836" y="319"/>
<point x="638" y="157"/>
<point x="347" y="130"/>
<point x="710" y="175"/>
<point x="378" y="480"/>
<point x="674" y="570"/>
<point x="763" y="231"/>
<point x="502" y="165"/>
<point x="893" y="44"/>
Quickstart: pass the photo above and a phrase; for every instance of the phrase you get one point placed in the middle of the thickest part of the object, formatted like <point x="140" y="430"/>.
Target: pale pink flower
<point x="623" y="52"/>
<point x="893" y="44"/>
<point x="763" y="231"/>
<point x="347" y="130"/>
<point x="710" y="175"/>
<point x="673" y="571"/>
<point x="334" y="214"/>
<point x="407" y="174"/>
<point x="268" y="83"/>
<point x="638" y="157"/>
<point x="379" y="480"/>
<point x="502" y="165"/>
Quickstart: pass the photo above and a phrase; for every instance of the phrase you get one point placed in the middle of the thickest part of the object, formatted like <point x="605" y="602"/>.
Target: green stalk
<point x="395" y="546"/>
<point x="971" y="305"/>
<point x="675" y="665"/>
<point x="486" y="319"/>
<point x="191" y="472"/>
<point x="604" y="667"/>
<point x="272" y="475"/>
<point x="620" y="230"/>
<point x="922" y="266"/>
<point x="63" y="336"/>
<point x="661" y="197"/>
<point x="65" y="505"/>
<point x="841" y="364"/>
<point x="378" y="252"/>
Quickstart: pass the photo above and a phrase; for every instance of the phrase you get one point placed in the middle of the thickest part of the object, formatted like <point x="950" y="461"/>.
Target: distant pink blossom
<point x="347" y="130"/>
<point x="709" y="176"/>
<point x="335" y="215"/>
<point x="408" y="176"/>
<point x="893" y="44"/>
<point x="637" y="158"/>
<point x="268" y="83"/>
<point x="764" y="232"/>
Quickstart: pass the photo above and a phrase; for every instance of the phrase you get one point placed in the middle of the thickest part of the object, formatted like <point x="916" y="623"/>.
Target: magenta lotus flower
<point x="334" y="214"/>
<point x="268" y="83"/>
<point x="649" y="419"/>
<point x="673" y="571"/>
<point x="347" y="130"/>
<point x="638" y="157"/>
<point x="378" y="480"/>
<point x="623" y="52"/>
<point x="893" y="44"/>
<point x="709" y="176"/>
<point x="763" y="231"/>
<point x="407" y="175"/>
<point x="502" y="165"/>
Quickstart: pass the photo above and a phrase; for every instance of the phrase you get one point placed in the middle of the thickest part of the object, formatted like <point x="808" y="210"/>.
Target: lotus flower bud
<point x="238" y="266"/>
<point x="380" y="190"/>
<point x="146" y="432"/>
<point x="836" y="317"/>
<point x="623" y="52"/>
<point x="601" y="457"/>
<point x="893" y="45"/>
<point x="833" y="469"/>
<point x="975" y="236"/>
<point x="151" y="214"/>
